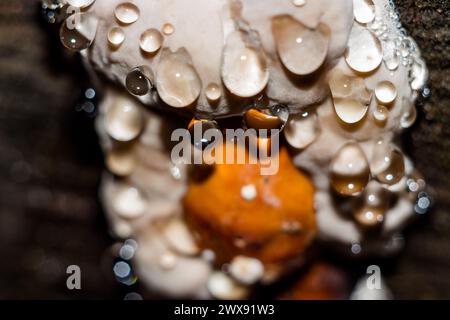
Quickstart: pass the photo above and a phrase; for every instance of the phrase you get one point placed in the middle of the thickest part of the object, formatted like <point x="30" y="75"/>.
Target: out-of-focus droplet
<point x="127" y="12"/>
<point x="168" y="260"/>
<point x="121" y="161"/>
<point x="128" y="202"/>
<point x="80" y="3"/>
<point x="274" y="117"/>
<point x="349" y="170"/>
<point x="369" y="208"/>
<point x="419" y="74"/>
<point x="356" y="248"/>
<point x="180" y="238"/>
<point x="302" y="129"/>
<point x="54" y="11"/>
<point x="409" y="114"/>
<point x="350" y="111"/>
<point x="363" y="10"/>
<point x="299" y="3"/>
<point x="423" y="203"/>
<point x="387" y="163"/>
<point x="213" y="92"/>
<point x="124" y="120"/>
<point x="168" y="29"/>
<point x="244" y="68"/>
<point x="246" y="270"/>
<point x="116" y="36"/>
<point x="364" y="52"/>
<point x="301" y="49"/>
<point x="78" y="31"/>
<point x="223" y="287"/>
<point x="177" y="81"/>
<point x="381" y="114"/>
<point x="385" y="92"/>
<point x="151" y="40"/>
<point x="197" y="129"/>
<point x="122" y="269"/>
<point x="139" y="81"/>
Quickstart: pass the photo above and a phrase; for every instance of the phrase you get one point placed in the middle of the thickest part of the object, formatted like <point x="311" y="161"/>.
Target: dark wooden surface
<point x="50" y="166"/>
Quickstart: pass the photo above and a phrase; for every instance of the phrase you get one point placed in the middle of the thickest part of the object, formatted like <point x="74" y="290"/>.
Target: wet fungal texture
<point x="338" y="78"/>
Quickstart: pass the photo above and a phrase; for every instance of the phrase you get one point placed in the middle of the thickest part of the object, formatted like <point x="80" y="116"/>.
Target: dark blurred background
<point x="50" y="165"/>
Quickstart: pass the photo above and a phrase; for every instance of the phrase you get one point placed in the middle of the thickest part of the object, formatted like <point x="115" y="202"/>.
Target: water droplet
<point x="246" y="270"/>
<point x="423" y="203"/>
<point x="121" y="160"/>
<point x="356" y="248"/>
<point x="364" y="53"/>
<point x="302" y="129"/>
<point x="78" y="31"/>
<point x="151" y="40"/>
<point x="128" y="202"/>
<point x="80" y="3"/>
<point x="393" y="61"/>
<point x="363" y="10"/>
<point x="385" y="92"/>
<point x="122" y="269"/>
<point x="409" y="114"/>
<point x="168" y="29"/>
<point x="349" y="111"/>
<point x="197" y="129"/>
<point x="274" y="117"/>
<point x="213" y="92"/>
<point x="54" y="12"/>
<point x="168" y="261"/>
<point x="301" y="49"/>
<point x="349" y="170"/>
<point x="138" y="81"/>
<point x="244" y="68"/>
<point x="116" y="36"/>
<point x="387" y="163"/>
<point x="124" y="120"/>
<point x="381" y="114"/>
<point x="177" y="81"/>
<point x="299" y="3"/>
<point x="127" y="12"/>
<point x="369" y="209"/>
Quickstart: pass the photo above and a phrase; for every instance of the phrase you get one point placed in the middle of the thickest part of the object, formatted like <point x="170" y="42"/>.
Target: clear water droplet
<point x="116" y="36"/>
<point x="299" y="3"/>
<point x="213" y="92"/>
<point x="244" y="68"/>
<point x="78" y="31"/>
<point x="138" y="81"/>
<point x="301" y="49"/>
<point x="387" y="163"/>
<point x="127" y="12"/>
<point x="393" y="61"/>
<point x="409" y="114"/>
<point x="349" y="111"/>
<point x="168" y="29"/>
<point x="302" y="129"/>
<point x="385" y="92"/>
<point x="381" y="114"/>
<point x="177" y="81"/>
<point x="364" y="11"/>
<point x="124" y="120"/>
<point x="364" y="52"/>
<point x="80" y="3"/>
<point x="349" y="170"/>
<point x="151" y="40"/>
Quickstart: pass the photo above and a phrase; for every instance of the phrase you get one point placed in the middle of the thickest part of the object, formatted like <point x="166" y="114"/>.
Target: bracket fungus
<point x="340" y="77"/>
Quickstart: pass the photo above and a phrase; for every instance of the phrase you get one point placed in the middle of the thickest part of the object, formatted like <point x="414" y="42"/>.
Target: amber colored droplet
<point x="301" y="49"/>
<point x="127" y="12"/>
<point x="121" y="160"/>
<point x="369" y="208"/>
<point x="385" y="92"/>
<point x="270" y="118"/>
<point x="177" y="81"/>
<point x="349" y="170"/>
